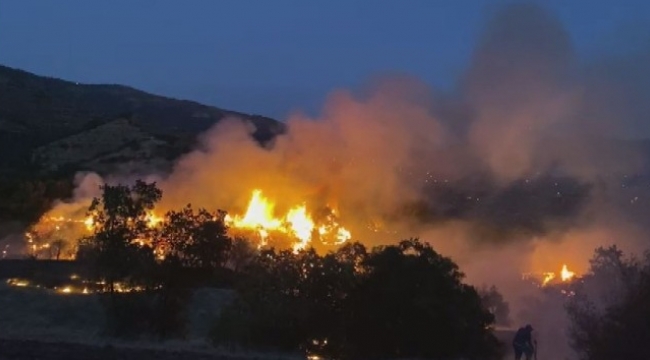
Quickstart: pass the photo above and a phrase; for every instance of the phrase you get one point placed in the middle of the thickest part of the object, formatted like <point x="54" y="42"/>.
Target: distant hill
<point x="53" y="125"/>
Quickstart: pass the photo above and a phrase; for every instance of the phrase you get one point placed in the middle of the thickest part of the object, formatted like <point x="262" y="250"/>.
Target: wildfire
<point x="301" y="225"/>
<point x="565" y="274"/>
<point x="89" y="223"/>
<point x="297" y="223"/>
<point x="548" y="277"/>
<point x="260" y="218"/>
<point x="153" y="220"/>
<point x="56" y="230"/>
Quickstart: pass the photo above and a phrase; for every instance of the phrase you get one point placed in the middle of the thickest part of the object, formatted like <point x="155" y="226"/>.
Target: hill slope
<point x="68" y="125"/>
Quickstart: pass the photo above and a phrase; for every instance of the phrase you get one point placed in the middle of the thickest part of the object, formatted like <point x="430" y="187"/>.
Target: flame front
<point x="547" y="278"/>
<point x="260" y="217"/>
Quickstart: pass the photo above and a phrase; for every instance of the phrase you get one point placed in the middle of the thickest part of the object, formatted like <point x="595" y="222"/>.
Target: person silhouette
<point x="523" y="343"/>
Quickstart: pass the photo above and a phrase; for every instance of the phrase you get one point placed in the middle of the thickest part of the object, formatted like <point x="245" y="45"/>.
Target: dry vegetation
<point x="29" y="313"/>
<point x="39" y="323"/>
<point x="101" y="148"/>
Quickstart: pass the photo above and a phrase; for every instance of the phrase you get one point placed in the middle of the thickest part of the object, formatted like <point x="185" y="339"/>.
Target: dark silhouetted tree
<point x="241" y="254"/>
<point x="58" y="246"/>
<point x="118" y="252"/>
<point x="494" y="302"/>
<point x="298" y="298"/>
<point x="396" y="301"/>
<point x="120" y="218"/>
<point x="194" y="246"/>
<point x="609" y="312"/>
<point x="411" y="302"/>
<point x="199" y="239"/>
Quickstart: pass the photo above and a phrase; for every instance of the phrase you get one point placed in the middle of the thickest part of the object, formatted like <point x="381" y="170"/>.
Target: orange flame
<point x="548" y="277"/>
<point x="259" y="218"/>
<point x="565" y="274"/>
<point x="297" y="223"/>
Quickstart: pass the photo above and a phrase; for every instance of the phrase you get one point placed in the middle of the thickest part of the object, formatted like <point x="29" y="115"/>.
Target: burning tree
<point x="118" y="254"/>
<point x="261" y="223"/>
<point x="164" y="256"/>
<point x="120" y="220"/>
<point x="52" y="236"/>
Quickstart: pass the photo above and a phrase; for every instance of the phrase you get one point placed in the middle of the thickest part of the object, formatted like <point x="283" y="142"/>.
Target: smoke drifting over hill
<point x="517" y="170"/>
<point x="521" y="145"/>
<point x="523" y="149"/>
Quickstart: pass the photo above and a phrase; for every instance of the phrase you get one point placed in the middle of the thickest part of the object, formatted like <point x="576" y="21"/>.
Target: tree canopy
<point x="395" y="301"/>
<point x="610" y="311"/>
<point x="402" y="300"/>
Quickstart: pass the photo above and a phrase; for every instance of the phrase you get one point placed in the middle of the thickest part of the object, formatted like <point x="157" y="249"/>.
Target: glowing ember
<point x="153" y="220"/>
<point x="89" y="222"/>
<point x="18" y="282"/>
<point x="548" y="277"/>
<point x="50" y="237"/>
<point x="342" y="235"/>
<point x="565" y="274"/>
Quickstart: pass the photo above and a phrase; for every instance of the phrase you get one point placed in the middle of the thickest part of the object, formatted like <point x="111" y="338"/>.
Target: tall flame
<point x="297" y="223"/>
<point x="301" y="225"/>
<point x="565" y="274"/>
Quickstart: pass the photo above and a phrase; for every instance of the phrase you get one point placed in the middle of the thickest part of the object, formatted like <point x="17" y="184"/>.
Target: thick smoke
<point x="521" y="168"/>
<point x="520" y="151"/>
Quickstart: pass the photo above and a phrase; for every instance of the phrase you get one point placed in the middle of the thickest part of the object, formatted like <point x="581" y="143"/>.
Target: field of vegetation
<point x="185" y="285"/>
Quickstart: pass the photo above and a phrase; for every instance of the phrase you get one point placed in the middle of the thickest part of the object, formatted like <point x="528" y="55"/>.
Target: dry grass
<point x="40" y="314"/>
<point x="113" y="142"/>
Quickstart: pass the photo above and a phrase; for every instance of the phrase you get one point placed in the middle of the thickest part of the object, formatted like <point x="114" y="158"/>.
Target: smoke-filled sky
<point x="518" y="168"/>
<point x="524" y="149"/>
<point x="272" y="57"/>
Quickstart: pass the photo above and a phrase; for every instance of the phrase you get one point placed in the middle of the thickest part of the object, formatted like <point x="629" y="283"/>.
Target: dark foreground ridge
<point x="41" y="350"/>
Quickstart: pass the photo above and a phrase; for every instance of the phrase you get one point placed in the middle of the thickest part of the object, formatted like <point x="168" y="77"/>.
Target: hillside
<point x="50" y="124"/>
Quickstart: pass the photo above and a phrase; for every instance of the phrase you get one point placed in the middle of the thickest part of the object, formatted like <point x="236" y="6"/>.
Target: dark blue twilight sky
<point x="271" y="57"/>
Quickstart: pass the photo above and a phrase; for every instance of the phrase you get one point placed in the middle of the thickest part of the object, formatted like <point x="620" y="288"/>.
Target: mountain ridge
<point x="39" y="112"/>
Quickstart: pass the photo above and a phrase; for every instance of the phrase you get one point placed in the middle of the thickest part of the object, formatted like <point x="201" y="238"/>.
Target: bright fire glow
<point x="565" y="274"/>
<point x="259" y="214"/>
<point x="301" y="225"/>
<point x="260" y="217"/>
<point x="548" y="277"/>
<point x="89" y="222"/>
